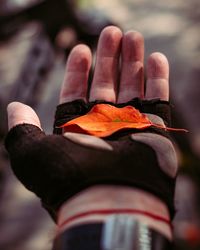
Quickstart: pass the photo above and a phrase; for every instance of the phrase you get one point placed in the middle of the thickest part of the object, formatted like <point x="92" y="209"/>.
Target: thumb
<point x="19" y="113"/>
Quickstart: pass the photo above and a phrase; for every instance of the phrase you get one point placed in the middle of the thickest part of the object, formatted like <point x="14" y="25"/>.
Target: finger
<point x="157" y="77"/>
<point x="132" y="82"/>
<point x="19" y="113"/>
<point x="76" y="75"/>
<point x="105" y="78"/>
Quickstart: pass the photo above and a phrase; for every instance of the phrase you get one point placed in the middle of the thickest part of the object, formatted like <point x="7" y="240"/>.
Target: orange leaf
<point x="104" y="120"/>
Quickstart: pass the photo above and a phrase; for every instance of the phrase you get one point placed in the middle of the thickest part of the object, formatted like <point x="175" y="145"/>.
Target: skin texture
<point x="106" y="197"/>
<point x="115" y="84"/>
<point x="106" y="80"/>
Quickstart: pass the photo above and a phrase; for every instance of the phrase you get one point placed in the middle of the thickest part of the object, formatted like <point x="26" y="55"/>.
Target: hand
<point x="57" y="167"/>
<point x="106" y="74"/>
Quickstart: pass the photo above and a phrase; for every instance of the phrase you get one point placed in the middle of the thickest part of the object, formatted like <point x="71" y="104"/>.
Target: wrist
<point x="96" y="203"/>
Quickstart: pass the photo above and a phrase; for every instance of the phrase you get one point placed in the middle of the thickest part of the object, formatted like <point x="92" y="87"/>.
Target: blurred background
<point x="35" y="39"/>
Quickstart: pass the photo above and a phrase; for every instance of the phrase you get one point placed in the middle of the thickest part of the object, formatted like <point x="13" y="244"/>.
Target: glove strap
<point x="116" y="233"/>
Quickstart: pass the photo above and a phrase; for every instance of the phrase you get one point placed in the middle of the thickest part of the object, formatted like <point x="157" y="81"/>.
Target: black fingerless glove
<point x="56" y="167"/>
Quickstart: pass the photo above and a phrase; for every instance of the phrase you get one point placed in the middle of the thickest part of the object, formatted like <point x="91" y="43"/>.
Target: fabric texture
<point x="56" y="168"/>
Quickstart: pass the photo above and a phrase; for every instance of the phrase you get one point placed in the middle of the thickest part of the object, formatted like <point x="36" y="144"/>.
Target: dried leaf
<point x="104" y="120"/>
